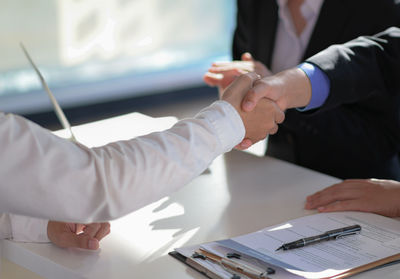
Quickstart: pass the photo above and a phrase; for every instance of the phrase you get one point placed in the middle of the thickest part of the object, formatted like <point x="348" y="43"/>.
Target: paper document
<point x="379" y="238"/>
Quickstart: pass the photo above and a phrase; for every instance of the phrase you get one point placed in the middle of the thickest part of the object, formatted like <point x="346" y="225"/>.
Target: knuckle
<point x="273" y="130"/>
<point x="281" y="117"/>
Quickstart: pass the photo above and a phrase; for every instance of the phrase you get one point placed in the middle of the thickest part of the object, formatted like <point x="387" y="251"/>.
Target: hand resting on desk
<point x="77" y="235"/>
<point x="368" y="195"/>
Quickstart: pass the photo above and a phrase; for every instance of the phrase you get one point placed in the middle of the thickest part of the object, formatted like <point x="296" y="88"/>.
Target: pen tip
<point x="279" y="248"/>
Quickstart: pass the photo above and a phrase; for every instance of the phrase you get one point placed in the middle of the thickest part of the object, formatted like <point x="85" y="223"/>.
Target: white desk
<point x="241" y="194"/>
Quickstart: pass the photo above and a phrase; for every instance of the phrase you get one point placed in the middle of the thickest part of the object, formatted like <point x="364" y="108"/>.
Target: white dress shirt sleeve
<point x="23" y="229"/>
<point x="51" y="178"/>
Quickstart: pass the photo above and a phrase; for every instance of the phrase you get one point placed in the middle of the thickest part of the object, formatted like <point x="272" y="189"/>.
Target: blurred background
<point x="107" y="57"/>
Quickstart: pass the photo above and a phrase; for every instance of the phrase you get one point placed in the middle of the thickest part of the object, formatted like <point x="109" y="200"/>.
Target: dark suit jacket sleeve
<point x="361" y="68"/>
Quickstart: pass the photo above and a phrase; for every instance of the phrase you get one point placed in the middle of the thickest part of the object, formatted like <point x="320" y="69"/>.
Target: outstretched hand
<point x="368" y="195"/>
<point x="222" y="74"/>
<point x="77" y="235"/>
<point x="260" y="122"/>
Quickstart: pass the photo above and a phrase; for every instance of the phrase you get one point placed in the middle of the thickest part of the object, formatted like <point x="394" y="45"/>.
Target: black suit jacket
<point x="350" y="139"/>
<point x="363" y="70"/>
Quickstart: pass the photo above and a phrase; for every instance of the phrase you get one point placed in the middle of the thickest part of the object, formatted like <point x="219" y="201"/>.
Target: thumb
<point x="251" y="99"/>
<point x="83" y="241"/>
<point x="247" y="57"/>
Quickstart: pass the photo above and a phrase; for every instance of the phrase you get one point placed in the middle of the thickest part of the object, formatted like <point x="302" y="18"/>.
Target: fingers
<point x="279" y="117"/>
<point x="244" y="82"/>
<point x="239" y="66"/>
<point x="289" y="89"/>
<point x="77" y="235"/>
<point x="92" y="229"/>
<point x="262" y="120"/>
<point x="103" y="231"/>
<point x="273" y="118"/>
<point x="224" y="73"/>
<point x="237" y="89"/>
<point x="346" y="190"/>
<point x="78" y="228"/>
<point x="97" y="230"/>
<point x="246" y="143"/>
<point x="338" y="192"/>
<point x="270" y="88"/>
<point x="253" y="96"/>
<point x="222" y="79"/>
<point x="231" y="69"/>
<point x="273" y="130"/>
<point x="256" y="66"/>
<point x="212" y="79"/>
<point x="368" y="195"/>
<point x="247" y="57"/>
<point x="348" y="205"/>
<point x="62" y="235"/>
<point x="82" y="241"/>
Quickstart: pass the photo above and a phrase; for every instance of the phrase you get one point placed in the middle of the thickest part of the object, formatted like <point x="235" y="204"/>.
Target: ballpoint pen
<point x="60" y="114"/>
<point x="329" y="235"/>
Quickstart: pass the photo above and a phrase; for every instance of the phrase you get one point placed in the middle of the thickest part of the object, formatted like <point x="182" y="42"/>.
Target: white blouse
<point x="48" y="177"/>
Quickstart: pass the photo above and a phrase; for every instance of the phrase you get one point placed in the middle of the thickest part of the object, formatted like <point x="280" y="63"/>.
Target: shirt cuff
<point x="227" y="123"/>
<point x="320" y="85"/>
<point x="28" y="229"/>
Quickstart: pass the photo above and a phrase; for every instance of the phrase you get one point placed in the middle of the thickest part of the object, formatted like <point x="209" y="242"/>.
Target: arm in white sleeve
<point x="23" y="229"/>
<point x="51" y="178"/>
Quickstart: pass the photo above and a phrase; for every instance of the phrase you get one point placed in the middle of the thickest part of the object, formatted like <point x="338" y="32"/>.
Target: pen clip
<point x="346" y="234"/>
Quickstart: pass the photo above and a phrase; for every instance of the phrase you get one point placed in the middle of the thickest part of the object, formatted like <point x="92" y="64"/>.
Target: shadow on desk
<point x="242" y="193"/>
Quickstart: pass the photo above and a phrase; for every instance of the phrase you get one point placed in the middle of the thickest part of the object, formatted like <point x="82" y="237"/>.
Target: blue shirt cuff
<point x="320" y="85"/>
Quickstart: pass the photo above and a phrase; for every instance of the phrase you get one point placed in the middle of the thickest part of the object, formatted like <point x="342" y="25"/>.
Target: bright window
<point x="98" y="50"/>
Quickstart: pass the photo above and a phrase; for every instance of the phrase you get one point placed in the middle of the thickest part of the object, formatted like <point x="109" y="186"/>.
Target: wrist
<point x="296" y="87"/>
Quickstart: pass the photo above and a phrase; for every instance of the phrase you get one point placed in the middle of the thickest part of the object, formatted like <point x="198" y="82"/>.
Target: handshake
<point x="260" y="101"/>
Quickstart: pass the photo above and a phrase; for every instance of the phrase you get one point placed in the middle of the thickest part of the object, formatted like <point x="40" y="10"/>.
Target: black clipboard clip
<point x="237" y="269"/>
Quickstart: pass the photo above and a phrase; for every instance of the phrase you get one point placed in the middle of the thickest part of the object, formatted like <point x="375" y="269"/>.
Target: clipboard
<point x="386" y="254"/>
<point x="212" y="270"/>
<point x="213" y="275"/>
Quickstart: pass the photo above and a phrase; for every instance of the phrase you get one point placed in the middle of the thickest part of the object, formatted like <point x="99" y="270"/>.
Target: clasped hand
<point x="82" y="236"/>
<point x="264" y="97"/>
<point x="259" y="122"/>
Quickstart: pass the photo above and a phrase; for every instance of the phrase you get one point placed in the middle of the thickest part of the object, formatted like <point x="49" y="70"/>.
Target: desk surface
<point x="242" y="193"/>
